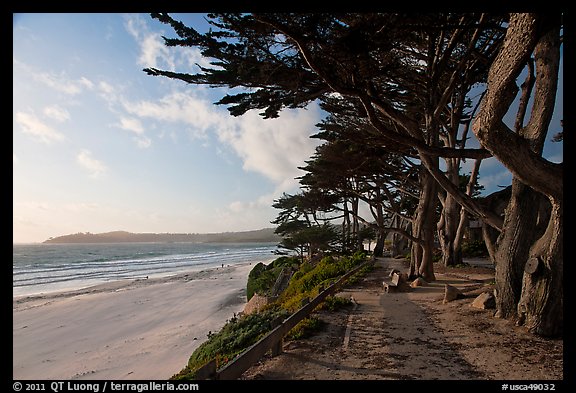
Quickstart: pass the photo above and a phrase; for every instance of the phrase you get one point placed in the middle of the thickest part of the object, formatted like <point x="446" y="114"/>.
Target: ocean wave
<point x="41" y="266"/>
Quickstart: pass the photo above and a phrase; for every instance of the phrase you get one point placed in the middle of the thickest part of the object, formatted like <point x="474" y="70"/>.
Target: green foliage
<point x="368" y="233"/>
<point x="474" y="249"/>
<point x="286" y="261"/>
<point x="463" y="183"/>
<point x="288" y="227"/>
<point x="262" y="277"/>
<point x="312" y="238"/>
<point x="323" y="274"/>
<point x="359" y="274"/>
<point x="305" y="328"/>
<point x="335" y="303"/>
<point x="236" y="335"/>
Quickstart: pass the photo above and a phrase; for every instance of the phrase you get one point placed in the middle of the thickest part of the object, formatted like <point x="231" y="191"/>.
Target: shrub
<point x="262" y="277"/>
<point x="334" y="303"/>
<point x="307" y="284"/>
<point x="236" y="335"/>
<point x="472" y="249"/>
<point x="305" y="328"/>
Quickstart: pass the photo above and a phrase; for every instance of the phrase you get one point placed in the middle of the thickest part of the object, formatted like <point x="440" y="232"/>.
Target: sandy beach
<point x="129" y="329"/>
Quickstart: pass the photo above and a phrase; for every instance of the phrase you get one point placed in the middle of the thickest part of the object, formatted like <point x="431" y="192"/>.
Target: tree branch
<point x="511" y="149"/>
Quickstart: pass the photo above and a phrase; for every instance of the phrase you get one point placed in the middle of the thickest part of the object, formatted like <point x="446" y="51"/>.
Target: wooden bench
<point x="392" y="285"/>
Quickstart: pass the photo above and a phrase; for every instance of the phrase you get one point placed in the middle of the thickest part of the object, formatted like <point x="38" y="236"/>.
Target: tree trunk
<point x="541" y="297"/>
<point x="448" y="224"/>
<point x="464" y="222"/>
<point x="382" y="233"/>
<point x="399" y="243"/>
<point x="513" y="247"/>
<point x="356" y="226"/>
<point x="345" y="227"/>
<point x="424" y="223"/>
<point x="496" y="202"/>
<point x="379" y="246"/>
<point x="540" y="307"/>
<point x="490" y="236"/>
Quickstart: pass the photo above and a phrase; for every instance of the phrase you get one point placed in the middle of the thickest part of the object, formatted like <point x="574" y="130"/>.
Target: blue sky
<point x="98" y="145"/>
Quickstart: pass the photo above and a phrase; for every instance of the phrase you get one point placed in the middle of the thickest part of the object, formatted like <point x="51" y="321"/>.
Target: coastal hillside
<point x="257" y="236"/>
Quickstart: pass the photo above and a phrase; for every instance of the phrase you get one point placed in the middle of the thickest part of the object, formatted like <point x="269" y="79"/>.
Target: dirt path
<point x="414" y="335"/>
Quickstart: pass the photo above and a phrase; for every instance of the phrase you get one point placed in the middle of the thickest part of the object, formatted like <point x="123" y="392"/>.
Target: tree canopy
<point x="397" y="90"/>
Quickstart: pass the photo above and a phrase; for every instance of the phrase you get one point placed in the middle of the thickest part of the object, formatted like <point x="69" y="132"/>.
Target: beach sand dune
<point x="130" y="329"/>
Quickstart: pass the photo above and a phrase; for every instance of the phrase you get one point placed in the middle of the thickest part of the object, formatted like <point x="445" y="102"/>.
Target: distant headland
<point x="256" y="236"/>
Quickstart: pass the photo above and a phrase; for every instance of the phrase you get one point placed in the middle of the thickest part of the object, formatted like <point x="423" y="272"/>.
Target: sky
<point x="99" y="145"/>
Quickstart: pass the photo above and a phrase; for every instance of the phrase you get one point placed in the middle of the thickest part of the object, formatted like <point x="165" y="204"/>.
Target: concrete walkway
<point x="393" y="336"/>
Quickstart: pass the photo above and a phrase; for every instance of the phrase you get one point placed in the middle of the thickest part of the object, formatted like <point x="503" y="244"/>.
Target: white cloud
<point x="93" y="166"/>
<point x="63" y="83"/>
<point x="154" y="53"/>
<point x="131" y="124"/>
<point x="135" y="126"/>
<point x="143" y="142"/>
<point x="57" y="113"/>
<point x="180" y="107"/>
<point x="193" y="57"/>
<point x="33" y="205"/>
<point x="59" y="82"/>
<point x="86" y="83"/>
<point x="198" y="114"/>
<point x="106" y="88"/>
<point x="272" y="147"/>
<point x="79" y="207"/>
<point x="36" y="129"/>
<point x="109" y="33"/>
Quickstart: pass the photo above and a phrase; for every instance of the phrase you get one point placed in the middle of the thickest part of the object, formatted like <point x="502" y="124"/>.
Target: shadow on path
<point x="385" y="336"/>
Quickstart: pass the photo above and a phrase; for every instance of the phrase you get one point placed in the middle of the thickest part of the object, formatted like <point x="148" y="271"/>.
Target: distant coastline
<point x="257" y="236"/>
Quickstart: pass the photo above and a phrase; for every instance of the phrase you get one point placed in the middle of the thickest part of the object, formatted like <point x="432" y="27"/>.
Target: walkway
<point x="407" y="335"/>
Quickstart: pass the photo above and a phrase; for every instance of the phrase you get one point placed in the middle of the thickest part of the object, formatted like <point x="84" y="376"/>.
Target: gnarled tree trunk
<point x="513" y="246"/>
<point x="463" y="222"/>
<point x="449" y="220"/>
<point x="421" y="263"/>
<point x="400" y="244"/>
<point x="495" y="202"/>
<point x="540" y="307"/>
<point x="541" y="295"/>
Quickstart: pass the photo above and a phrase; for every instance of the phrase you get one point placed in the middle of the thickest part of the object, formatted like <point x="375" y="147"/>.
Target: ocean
<point x="44" y="268"/>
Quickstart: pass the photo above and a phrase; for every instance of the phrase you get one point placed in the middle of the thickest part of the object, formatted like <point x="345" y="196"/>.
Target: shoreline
<point x="124" y="283"/>
<point x="126" y="329"/>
